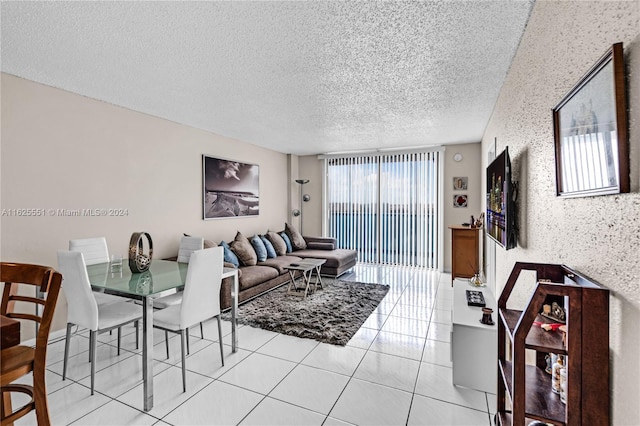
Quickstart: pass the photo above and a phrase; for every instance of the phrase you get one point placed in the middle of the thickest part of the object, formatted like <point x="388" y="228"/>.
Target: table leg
<point x="234" y="309"/>
<point x="147" y="352"/>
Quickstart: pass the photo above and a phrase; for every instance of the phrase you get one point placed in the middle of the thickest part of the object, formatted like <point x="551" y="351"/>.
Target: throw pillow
<point x="271" y="252"/>
<point x="287" y="241"/>
<point x="297" y="242"/>
<point x="278" y="243"/>
<point x="229" y="256"/>
<point x="244" y="250"/>
<point x="258" y="246"/>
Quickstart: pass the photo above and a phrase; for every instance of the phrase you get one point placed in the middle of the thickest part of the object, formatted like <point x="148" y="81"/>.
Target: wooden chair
<point x="18" y="361"/>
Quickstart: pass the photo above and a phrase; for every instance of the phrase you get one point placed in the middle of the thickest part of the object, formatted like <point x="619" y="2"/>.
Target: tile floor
<point x="395" y="371"/>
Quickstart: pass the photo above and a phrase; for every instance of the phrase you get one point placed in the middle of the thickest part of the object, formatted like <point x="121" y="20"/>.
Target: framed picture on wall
<point x="229" y="188"/>
<point x="460" y="200"/>
<point x="460" y="183"/>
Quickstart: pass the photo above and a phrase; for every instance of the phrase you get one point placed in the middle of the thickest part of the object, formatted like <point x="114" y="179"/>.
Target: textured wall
<point x="599" y="236"/>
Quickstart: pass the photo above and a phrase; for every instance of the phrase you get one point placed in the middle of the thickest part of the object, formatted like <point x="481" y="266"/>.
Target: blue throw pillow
<point x="271" y="252"/>
<point x="287" y="241"/>
<point x="229" y="256"/>
<point x="258" y="246"/>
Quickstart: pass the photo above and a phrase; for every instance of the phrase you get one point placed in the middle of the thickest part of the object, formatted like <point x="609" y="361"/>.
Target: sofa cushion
<point x="260" y="249"/>
<point x="271" y="252"/>
<point x="229" y="255"/>
<point x="335" y="258"/>
<point x="278" y="243"/>
<point x="320" y="246"/>
<point x="244" y="250"/>
<point x="254" y="275"/>
<point x="287" y="241"/>
<point x="280" y="262"/>
<point x="297" y="242"/>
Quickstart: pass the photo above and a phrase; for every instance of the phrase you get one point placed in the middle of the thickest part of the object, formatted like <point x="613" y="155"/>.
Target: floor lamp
<point x="301" y="182"/>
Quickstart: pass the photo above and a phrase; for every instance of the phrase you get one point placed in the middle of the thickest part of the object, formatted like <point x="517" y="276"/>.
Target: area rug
<point x="333" y="314"/>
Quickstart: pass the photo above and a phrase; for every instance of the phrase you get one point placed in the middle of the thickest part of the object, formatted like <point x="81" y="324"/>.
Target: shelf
<point x="537" y="339"/>
<point x="504" y="419"/>
<point x="540" y="401"/>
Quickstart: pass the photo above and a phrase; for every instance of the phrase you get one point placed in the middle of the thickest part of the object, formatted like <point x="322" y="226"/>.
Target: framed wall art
<point x="590" y="132"/>
<point x="229" y="188"/>
<point x="460" y="183"/>
<point x="460" y="200"/>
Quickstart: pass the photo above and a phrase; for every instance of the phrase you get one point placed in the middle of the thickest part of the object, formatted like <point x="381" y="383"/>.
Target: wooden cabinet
<point x="465" y="251"/>
<point x="524" y="390"/>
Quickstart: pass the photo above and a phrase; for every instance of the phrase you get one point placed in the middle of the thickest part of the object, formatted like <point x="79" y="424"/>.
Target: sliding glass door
<point x="386" y="206"/>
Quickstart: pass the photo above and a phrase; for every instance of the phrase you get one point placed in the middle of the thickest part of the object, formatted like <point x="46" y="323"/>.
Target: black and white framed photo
<point x="229" y="188"/>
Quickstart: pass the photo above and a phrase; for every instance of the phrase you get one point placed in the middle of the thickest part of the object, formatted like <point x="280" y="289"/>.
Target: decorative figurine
<point x="138" y="261"/>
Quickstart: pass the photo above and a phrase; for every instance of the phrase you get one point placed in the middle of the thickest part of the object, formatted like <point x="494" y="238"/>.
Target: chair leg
<point x="184" y="339"/>
<point x="6" y="409"/>
<point x="119" y="339"/>
<point x="188" y="349"/>
<point x="166" y="341"/>
<point x="92" y="342"/>
<point x="201" y="331"/>
<point x="220" y="338"/>
<point x="66" y="352"/>
<point x="40" y="395"/>
<point x="137" y="335"/>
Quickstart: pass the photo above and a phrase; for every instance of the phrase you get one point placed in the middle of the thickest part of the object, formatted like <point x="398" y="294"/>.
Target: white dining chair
<point x="84" y="311"/>
<point x="200" y="301"/>
<point x="95" y="250"/>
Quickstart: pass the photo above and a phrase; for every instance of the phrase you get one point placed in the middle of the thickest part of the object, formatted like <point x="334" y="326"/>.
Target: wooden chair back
<point x="18" y="361"/>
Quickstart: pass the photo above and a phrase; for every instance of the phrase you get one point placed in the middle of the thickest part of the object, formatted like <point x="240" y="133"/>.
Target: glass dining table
<point x="164" y="277"/>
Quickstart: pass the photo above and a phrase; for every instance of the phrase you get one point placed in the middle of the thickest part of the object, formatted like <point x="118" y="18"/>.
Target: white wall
<point x="599" y="236"/>
<point x="64" y="151"/>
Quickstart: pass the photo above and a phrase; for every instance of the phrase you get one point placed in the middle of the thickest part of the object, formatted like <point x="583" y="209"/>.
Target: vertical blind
<point x="386" y="206"/>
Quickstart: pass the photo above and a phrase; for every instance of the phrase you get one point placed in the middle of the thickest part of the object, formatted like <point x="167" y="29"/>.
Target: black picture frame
<point x="229" y="188"/>
<point x="590" y="132"/>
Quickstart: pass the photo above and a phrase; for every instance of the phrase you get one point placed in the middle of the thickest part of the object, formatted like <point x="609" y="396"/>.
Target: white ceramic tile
<point x="167" y="391"/>
<point x="375" y="321"/>
<point x="288" y="347"/>
<point x="53" y="381"/>
<point x="339" y="359"/>
<point x="440" y="332"/>
<point x="251" y="338"/>
<point x="217" y="404"/>
<point x="68" y="405"/>
<point x="116" y="413"/>
<point x="121" y="377"/>
<point x="436" y="352"/>
<point x="55" y="351"/>
<point x="330" y="421"/>
<point x="363" y="338"/>
<point x="410" y="327"/>
<point x="365" y="403"/>
<point x="435" y="381"/>
<point x="399" y="344"/>
<point x="79" y="367"/>
<point x="441" y="317"/>
<point x="413" y="312"/>
<point x="389" y="370"/>
<point x="210" y="328"/>
<point x="443" y="305"/>
<point x="196" y="344"/>
<point x="427" y="411"/>
<point x="207" y="361"/>
<point x="492" y="401"/>
<point x="278" y="413"/>
<point x="311" y="388"/>
<point x="259" y="373"/>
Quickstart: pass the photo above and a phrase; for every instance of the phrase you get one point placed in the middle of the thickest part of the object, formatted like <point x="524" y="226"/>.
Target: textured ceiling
<point x="296" y="77"/>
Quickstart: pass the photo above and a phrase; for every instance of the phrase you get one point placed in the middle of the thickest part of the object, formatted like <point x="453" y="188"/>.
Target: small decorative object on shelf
<point x="486" y="316"/>
<point x="476" y="281"/>
<point x="555" y="381"/>
<point x="138" y="261"/>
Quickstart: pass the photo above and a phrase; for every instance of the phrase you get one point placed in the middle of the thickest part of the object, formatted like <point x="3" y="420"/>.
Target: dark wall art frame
<point x="590" y="132"/>
<point x="229" y="188"/>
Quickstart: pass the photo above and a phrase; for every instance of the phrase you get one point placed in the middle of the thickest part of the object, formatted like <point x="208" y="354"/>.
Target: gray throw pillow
<point x="277" y="242"/>
<point x="244" y="250"/>
<point x="297" y="242"/>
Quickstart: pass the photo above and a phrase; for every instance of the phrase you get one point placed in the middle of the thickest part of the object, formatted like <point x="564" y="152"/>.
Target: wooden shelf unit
<point x="528" y="387"/>
<point x="465" y="251"/>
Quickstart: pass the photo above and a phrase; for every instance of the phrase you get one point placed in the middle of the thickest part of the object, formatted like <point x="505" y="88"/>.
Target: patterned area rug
<point x="332" y="315"/>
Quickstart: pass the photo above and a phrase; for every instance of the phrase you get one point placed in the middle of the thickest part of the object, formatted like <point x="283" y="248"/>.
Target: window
<point x="386" y="206"/>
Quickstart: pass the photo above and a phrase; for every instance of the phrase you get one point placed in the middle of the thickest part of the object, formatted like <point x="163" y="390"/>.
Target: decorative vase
<point x="476" y="281"/>
<point x="138" y="261"/>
